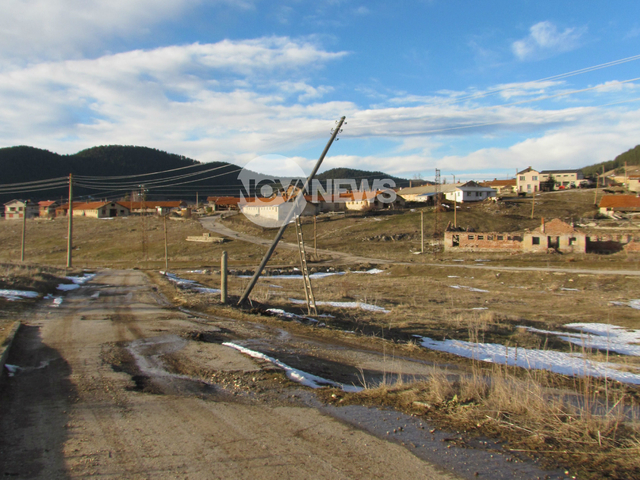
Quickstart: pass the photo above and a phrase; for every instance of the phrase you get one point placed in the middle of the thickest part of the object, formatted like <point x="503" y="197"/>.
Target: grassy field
<point x="431" y="295"/>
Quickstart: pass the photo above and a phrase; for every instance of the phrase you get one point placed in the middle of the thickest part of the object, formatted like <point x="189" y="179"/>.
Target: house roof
<point x="620" y="201"/>
<point x="555" y="227"/>
<point x="47" y="203"/>
<point x="553" y="172"/>
<point x="443" y="188"/>
<point x="224" y="200"/>
<point x="527" y="170"/>
<point x="18" y="200"/>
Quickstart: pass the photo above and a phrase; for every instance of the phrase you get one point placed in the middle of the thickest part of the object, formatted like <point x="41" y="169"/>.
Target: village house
<point x="47" y="208"/>
<point x="15" y="209"/>
<point x="528" y="181"/>
<point x="562" y="178"/>
<point x="94" y="209"/>
<point x="460" y="192"/>
<point x="469" y="192"/>
<point x="159" y="207"/>
<point x="223" y="203"/>
<point x="272" y="211"/>
<point x="614" y="204"/>
<point x="633" y="183"/>
<point x="502" y="187"/>
<point x="371" y="201"/>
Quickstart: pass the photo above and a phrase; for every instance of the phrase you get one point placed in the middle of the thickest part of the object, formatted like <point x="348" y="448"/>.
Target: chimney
<point x="542" y="226"/>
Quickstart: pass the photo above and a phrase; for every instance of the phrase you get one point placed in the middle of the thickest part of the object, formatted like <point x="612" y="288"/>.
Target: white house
<point x="470" y="192"/>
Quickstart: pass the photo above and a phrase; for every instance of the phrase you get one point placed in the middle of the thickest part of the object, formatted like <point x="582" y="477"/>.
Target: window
<point x="534" y="178"/>
<point x="522" y="178"/>
<point x="480" y="237"/>
<point x="470" y="237"/>
<point x="489" y="237"/>
<point x="535" y="240"/>
<point x="572" y="241"/>
<point x="500" y="237"/>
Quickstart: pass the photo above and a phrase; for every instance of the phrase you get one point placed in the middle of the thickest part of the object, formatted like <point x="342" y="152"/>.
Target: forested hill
<point x="359" y="175"/>
<point x="29" y="164"/>
<point x="631" y="157"/>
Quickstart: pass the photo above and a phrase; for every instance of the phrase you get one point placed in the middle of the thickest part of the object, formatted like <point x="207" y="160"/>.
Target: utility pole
<point x="70" y="220"/>
<point x="223" y="278"/>
<point x="24" y="228"/>
<point x="533" y="202"/>
<point x="197" y="202"/>
<point x="422" y="232"/>
<point x="595" y="199"/>
<point x="252" y="283"/>
<point x="166" y="247"/>
<point x="455" y="204"/>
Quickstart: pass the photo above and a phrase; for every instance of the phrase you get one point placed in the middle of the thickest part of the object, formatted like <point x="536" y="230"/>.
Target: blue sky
<point x="477" y="89"/>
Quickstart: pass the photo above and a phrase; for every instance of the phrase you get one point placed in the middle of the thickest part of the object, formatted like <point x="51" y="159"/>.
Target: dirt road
<point x="98" y="395"/>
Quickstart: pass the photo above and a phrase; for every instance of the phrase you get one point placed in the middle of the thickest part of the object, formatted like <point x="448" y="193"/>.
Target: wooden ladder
<point x="308" y="292"/>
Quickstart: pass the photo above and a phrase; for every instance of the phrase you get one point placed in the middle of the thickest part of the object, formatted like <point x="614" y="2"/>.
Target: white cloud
<point x="235" y="100"/>
<point x="58" y="29"/>
<point x="544" y="40"/>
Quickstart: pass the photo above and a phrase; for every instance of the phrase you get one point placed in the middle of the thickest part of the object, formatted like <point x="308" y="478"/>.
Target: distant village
<point x="622" y="196"/>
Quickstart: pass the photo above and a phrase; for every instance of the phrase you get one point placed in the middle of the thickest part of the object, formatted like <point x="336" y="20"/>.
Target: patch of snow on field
<point x="83" y="279"/>
<point x="360" y="305"/>
<point x="304" y="378"/>
<point x="471" y="289"/>
<point x="65" y="287"/>
<point x="57" y="301"/>
<point x="631" y="303"/>
<point x="600" y="336"/>
<point x="316" y="275"/>
<point x="13" y="295"/>
<point x="372" y="271"/>
<point x="188" y="284"/>
<point x="572" y="364"/>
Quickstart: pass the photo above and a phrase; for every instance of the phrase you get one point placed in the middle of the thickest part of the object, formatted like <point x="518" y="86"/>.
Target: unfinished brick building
<point x="553" y="236"/>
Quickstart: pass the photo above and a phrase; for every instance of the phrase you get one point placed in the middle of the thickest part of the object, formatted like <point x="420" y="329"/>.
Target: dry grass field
<point x="436" y="295"/>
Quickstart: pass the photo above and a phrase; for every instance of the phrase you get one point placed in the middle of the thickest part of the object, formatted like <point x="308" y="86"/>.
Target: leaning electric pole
<point x="296" y="203"/>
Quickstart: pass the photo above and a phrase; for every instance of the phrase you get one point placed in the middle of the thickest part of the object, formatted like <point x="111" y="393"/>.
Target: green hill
<point x="29" y="164"/>
<point x="359" y="175"/>
<point x="631" y="157"/>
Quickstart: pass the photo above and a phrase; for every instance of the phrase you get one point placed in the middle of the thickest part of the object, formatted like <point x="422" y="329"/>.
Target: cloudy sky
<point x="477" y="89"/>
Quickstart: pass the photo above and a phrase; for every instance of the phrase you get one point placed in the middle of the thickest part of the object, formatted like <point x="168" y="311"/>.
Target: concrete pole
<point x="422" y="232"/>
<point x="223" y="278"/>
<point x="315" y="237"/>
<point x="290" y="215"/>
<point x="24" y="228"/>
<point x="70" y="220"/>
<point x="166" y="247"/>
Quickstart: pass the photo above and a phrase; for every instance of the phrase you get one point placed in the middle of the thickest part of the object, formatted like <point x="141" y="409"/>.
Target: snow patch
<point x="360" y="305"/>
<point x="573" y="364"/>
<point x="599" y="336"/>
<point x="471" y="289"/>
<point x="13" y="295"/>
<point x="304" y="378"/>
<point x="631" y="303"/>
